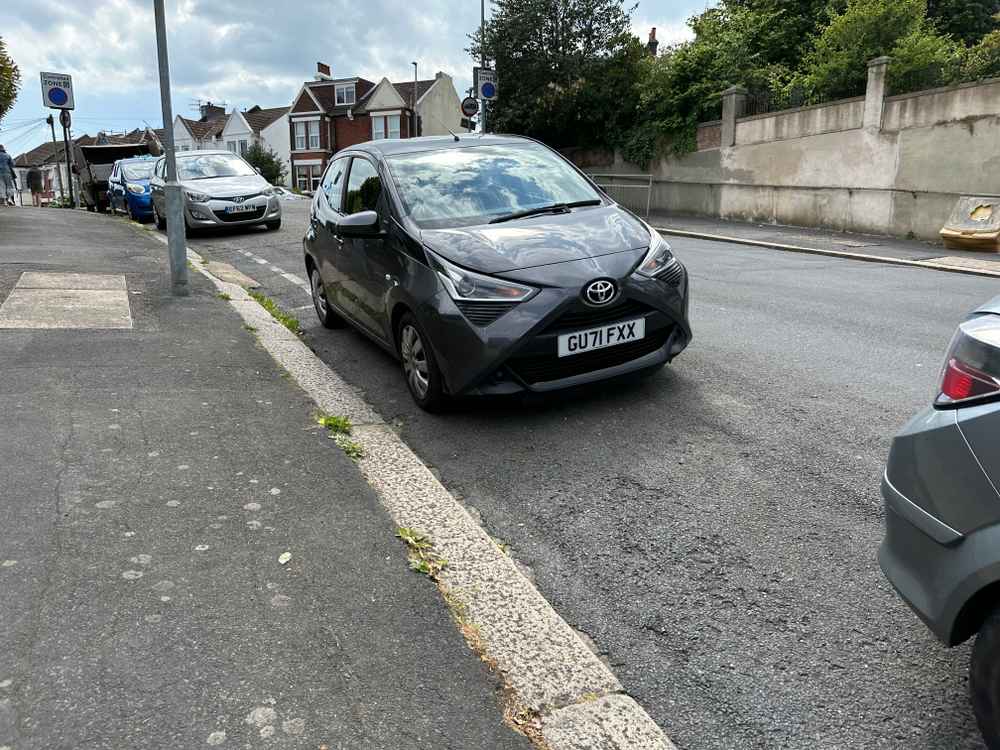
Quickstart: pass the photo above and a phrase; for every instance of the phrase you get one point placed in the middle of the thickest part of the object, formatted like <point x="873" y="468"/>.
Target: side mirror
<point x="362" y="224"/>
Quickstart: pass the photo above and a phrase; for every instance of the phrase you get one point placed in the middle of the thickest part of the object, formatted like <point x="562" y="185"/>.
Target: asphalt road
<point x="714" y="528"/>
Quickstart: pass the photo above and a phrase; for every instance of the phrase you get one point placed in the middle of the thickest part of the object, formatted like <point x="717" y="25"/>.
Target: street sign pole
<point x="52" y="124"/>
<point x="171" y="190"/>
<point x="482" y="61"/>
<point x="64" y="120"/>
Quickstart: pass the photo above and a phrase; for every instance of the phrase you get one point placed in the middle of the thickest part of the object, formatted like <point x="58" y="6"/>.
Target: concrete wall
<point x="825" y="167"/>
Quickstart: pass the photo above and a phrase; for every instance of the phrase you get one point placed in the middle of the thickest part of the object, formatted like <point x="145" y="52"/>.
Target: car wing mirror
<point x="363" y="224"/>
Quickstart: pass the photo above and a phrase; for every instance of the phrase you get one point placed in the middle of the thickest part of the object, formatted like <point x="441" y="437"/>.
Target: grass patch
<point x="223" y="295"/>
<point x="288" y="321"/>
<point x="351" y="448"/>
<point x="204" y="261"/>
<point x="250" y="328"/>
<point x="335" y="424"/>
<point x="423" y="558"/>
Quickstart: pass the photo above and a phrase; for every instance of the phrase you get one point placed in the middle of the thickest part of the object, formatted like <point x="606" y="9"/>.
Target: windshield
<point x="466" y="186"/>
<point x="204" y="166"/>
<point x="141" y="170"/>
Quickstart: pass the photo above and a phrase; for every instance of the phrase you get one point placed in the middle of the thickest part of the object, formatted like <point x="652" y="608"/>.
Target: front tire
<point x="984" y="680"/>
<point x="324" y="312"/>
<point x="273" y="226"/>
<point x="423" y="377"/>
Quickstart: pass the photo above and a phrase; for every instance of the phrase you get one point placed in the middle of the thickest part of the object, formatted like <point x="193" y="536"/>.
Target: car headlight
<point x="468" y="286"/>
<point x="137" y="189"/>
<point x="271" y="192"/>
<point x="198" y="197"/>
<point x="658" y="258"/>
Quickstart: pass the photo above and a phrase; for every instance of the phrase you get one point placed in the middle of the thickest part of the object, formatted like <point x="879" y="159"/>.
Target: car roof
<point x="394" y="146"/>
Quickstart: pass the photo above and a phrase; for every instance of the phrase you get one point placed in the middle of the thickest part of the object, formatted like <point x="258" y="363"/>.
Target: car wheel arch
<point x="974" y="612"/>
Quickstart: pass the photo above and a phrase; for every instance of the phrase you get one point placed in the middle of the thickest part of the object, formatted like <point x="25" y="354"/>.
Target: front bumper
<point x="214" y="213"/>
<point x="141" y="205"/>
<point x="517" y="352"/>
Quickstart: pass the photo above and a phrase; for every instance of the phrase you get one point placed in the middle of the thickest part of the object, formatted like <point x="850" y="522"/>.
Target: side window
<point x="333" y="183"/>
<point x="364" y="187"/>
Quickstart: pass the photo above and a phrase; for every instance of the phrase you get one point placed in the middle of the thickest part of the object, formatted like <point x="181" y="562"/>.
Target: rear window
<point x="467" y="186"/>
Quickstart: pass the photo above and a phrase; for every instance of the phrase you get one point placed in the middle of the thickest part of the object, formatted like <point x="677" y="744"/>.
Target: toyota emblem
<point x="600" y="292"/>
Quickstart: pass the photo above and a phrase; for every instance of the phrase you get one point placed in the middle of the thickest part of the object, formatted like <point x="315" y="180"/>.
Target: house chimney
<point x="652" y="44"/>
<point x="211" y="111"/>
<point x="323" y="72"/>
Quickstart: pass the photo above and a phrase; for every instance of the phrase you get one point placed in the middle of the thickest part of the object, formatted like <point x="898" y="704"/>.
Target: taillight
<point x="972" y="368"/>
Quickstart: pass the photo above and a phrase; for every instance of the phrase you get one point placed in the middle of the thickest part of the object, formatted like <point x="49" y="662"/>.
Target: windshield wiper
<point x="555" y="208"/>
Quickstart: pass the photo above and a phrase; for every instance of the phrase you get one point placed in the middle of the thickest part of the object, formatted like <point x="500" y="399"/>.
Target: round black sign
<point x="470" y="106"/>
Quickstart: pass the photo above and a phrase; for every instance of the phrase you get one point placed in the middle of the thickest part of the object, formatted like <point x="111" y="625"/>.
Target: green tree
<point x="566" y="69"/>
<point x="267" y="161"/>
<point x="983" y="59"/>
<point x="10" y="81"/>
<point x="966" y="20"/>
<point x="835" y="66"/>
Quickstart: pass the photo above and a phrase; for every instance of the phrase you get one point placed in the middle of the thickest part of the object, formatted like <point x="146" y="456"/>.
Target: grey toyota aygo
<point x="942" y="523"/>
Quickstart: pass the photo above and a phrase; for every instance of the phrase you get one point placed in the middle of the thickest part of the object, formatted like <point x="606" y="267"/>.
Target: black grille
<point x="484" y="313"/>
<point x="257" y="213"/>
<point x="551" y="367"/>
<point x="587" y="317"/>
<point x="236" y="198"/>
<point x="673" y="274"/>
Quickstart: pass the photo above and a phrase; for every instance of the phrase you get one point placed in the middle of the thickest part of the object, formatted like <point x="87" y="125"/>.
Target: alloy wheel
<point x="415" y="361"/>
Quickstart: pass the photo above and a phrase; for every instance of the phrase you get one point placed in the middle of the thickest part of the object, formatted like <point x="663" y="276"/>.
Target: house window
<point x="308" y="177"/>
<point x="231" y="146"/>
<point x="313" y="135"/>
<point x="243" y="148"/>
<point x="300" y="136"/>
<point x="385" y="126"/>
<point x="345" y="94"/>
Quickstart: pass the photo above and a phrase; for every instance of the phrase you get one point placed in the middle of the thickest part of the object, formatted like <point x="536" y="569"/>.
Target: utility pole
<point x="52" y="124"/>
<point x="414" y="133"/>
<point x="482" y="61"/>
<point x="176" y="247"/>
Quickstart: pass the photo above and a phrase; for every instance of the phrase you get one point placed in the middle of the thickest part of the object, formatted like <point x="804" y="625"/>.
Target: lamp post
<point x="413" y="103"/>
<point x="176" y="248"/>
<point x="482" y="61"/>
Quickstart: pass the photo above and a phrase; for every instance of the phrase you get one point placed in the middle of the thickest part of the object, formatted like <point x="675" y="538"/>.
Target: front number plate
<point x="600" y="338"/>
<point x="240" y="208"/>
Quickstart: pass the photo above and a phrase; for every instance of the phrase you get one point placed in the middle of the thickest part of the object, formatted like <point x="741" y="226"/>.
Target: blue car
<point x="128" y="187"/>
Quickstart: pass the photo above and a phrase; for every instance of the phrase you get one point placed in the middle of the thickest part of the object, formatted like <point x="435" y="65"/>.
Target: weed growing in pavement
<point x="423" y="558"/>
<point x="288" y="321"/>
<point x="223" y="295"/>
<point x="351" y="448"/>
<point x="250" y="328"/>
<point x="204" y="261"/>
<point x="335" y="424"/>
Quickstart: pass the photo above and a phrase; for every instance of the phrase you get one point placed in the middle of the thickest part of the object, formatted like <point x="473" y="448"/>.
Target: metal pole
<point x="482" y="61"/>
<point x="414" y="133"/>
<point x="69" y="163"/>
<point x="171" y="190"/>
<point x="52" y="124"/>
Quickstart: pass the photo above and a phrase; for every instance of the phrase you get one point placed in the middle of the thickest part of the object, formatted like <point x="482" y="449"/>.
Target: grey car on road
<point x="221" y="189"/>
<point x="942" y="543"/>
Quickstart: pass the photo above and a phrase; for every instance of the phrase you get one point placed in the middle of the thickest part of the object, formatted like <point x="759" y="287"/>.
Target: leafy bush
<point x="983" y="59"/>
<point x="267" y="161"/>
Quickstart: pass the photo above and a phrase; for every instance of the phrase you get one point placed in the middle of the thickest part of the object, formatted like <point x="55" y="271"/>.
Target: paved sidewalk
<point x="152" y="475"/>
<point x="857" y="246"/>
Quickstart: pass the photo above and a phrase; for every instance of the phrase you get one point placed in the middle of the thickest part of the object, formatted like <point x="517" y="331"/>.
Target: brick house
<point x="329" y="114"/>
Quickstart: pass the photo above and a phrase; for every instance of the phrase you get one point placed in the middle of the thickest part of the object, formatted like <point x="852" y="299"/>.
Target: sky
<point x="239" y="52"/>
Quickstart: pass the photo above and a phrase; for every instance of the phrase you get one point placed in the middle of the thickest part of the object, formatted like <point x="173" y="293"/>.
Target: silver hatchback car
<point x="221" y="189"/>
<point x="942" y="523"/>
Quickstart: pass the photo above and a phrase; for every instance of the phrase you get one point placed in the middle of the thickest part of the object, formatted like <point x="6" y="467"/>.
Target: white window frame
<point x="244" y="145"/>
<point x="313" y="129"/>
<point x="341" y="91"/>
<point x="231" y="146"/>
<point x="300" y="135"/>
<point x="382" y="126"/>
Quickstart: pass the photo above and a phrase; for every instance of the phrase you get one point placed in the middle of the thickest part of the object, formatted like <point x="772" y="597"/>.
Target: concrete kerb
<point x="869" y="258"/>
<point x="572" y="697"/>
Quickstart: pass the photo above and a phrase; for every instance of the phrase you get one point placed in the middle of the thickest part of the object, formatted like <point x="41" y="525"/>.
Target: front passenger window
<point x="333" y="183"/>
<point x="363" y="188"/>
